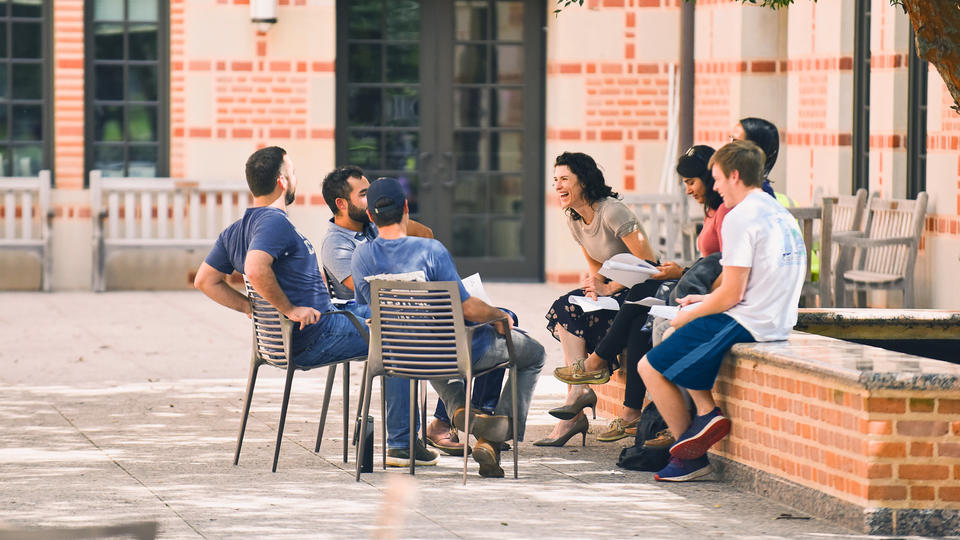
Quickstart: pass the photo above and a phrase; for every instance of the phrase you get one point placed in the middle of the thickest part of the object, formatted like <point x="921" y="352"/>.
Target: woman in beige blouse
<point x="604" y="227"/>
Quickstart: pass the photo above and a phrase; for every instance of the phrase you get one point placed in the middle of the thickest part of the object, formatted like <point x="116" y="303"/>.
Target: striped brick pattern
<point x="68" y="94"/>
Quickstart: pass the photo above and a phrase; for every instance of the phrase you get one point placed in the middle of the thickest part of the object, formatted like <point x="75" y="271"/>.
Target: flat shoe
<point x="577" y="374"/>
<point x="617" y="430"/>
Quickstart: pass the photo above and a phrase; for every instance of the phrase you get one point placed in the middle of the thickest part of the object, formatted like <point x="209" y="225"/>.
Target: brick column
<point x="68" y="93"/>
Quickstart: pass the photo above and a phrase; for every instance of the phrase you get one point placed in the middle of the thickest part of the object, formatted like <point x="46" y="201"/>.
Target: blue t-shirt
<point x="295" y="262"/>
<point x="336" y="252"/>
<point x="409" y="254"/>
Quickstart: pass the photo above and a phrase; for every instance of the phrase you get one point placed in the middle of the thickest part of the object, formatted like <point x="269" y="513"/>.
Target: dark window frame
<point x="163" y="89"/>
<point x="45" y="102"/>
<point x="917" y="70"/>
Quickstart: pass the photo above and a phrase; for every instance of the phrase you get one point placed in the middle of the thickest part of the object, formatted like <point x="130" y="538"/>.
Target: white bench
<point x="669" y="230"/>
<point x="159" y="214"/>
<point x="27" y="218"/>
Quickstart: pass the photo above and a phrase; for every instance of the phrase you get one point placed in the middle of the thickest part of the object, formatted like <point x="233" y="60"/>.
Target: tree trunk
<point x="936" y="24"/>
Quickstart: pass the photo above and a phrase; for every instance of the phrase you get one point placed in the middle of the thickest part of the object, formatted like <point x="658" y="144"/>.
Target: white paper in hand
<point x="648" y="301"/>
<point x="670" y="312"/>
<point x="627" y="269"/>
<point x="589" y="304"/>
<point x="474" y="287"/>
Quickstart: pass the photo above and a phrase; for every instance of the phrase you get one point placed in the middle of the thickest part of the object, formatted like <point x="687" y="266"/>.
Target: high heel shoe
<point x="567" y="412"/>
<point x="581" y="426"/>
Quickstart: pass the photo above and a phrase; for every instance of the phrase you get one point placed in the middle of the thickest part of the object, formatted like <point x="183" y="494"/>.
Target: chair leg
<point x="363" y="393"/>
<point x="423" y="411"/>
<point x="331" y="374"/>
<point x="516" y="431"/>
<point x="254" y="367"/>
<point x="364" y="410"/>
<point x="283" y="414"/>
<point x="346" y="408"/>
<point x="413" y="429"/>
<point x="383" y="420"/>
<point x="466" y="424"/>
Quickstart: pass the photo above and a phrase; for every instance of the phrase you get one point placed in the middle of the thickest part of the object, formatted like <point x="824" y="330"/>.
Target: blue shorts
<point x="692" y="355"/>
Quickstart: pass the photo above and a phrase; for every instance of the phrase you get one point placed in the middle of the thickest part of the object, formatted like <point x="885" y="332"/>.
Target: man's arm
<point x="212" y="283"/>
<point x="415" y="228"/>
<point x="259" y="271"/>
<point x="730" y="292"/>
<point x="478" y="311"/>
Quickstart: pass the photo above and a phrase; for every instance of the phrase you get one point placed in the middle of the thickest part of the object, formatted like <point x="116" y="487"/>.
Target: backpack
<point x="640" y="457"/>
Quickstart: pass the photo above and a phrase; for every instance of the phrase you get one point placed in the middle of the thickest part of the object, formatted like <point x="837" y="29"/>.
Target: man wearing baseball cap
<point x="394" y="252"/>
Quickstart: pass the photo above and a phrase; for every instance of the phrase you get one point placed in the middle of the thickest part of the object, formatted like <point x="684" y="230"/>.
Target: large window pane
<point x="507" y="108"/>
<point x="509" y="24"/>
<point x="506" y="194"/>
<point x="470" y="64"/>
<point x="27" y="8"/>
<point x="5" y="161"/>
<point x="401" y="151"/>
<point x="108" y="81"/>
<point x="27" y="160"/>
<point x="363" y="106"/>
<point x="142" y="83"/>
<point x="403" y="21"/>
<point x="471" y="150"/>
<point x="403" y="63"/>
<point x="3" y="40"/>
<point x="141" y="123"/>
<point x="108" y="10"/>
<point x="508" y="62"/>
<point x="469" y="237"/>
<point x="27" y="40"/>
<point x="108" y="123"/>
<point x="143" y="10"/>
<point x="142" y="161"/>
<point x="108" y="159"/>
<point x="470" y="107"/>
<point x="472" y="20"/>
<point x="402" y="107"/>
<point x="27" y="122"/>
<point x="142" y="40"/>
<point x="365" y="18"/>
<point x="3" y="123"/>
<point x="27" y="81"/>
<point x="364" y="149"/>
<point x="3" y="81"/>
<point x="365" y="62"/>
<point x="470" y="194"/>
<point x="506" y="238"/>
<point x="108" y="41"/>
<point x="506" y="151"/>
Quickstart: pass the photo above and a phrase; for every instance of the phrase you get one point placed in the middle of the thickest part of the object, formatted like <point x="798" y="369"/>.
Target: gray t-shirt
<point x="336" y="253"/>
<point x="602" y="237"/>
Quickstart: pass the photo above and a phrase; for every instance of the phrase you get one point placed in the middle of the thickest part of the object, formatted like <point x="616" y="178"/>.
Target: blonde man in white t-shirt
<point x="764" y="261"/>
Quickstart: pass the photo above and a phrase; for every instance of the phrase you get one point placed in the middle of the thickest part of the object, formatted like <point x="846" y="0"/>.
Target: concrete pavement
<point x="124" y="406"/>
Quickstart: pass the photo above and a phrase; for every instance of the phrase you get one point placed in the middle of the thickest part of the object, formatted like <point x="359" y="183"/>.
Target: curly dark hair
<point x="590" y="177"/>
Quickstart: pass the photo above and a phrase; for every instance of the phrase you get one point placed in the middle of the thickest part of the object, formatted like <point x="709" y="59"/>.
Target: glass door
<point x="447" y="96"/>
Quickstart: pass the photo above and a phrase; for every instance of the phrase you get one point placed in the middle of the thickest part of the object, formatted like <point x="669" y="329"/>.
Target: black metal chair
<point x="272" y="346"/>
<point x="417" y="332"/>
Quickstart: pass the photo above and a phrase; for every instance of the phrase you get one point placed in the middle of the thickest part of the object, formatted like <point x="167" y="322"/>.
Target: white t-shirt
<point x="761" y="234"/>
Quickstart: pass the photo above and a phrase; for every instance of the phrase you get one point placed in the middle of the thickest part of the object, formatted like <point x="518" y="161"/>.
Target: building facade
<point x="467" y="102"/>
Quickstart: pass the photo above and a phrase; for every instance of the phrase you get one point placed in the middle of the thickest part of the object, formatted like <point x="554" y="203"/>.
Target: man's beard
<point x="289" y="197"/>
<point x="357" y="214"/>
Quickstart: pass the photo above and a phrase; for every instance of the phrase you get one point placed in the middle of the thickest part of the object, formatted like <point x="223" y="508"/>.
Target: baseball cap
<point x="385" y="194"/>
<point x="693" y="162"/>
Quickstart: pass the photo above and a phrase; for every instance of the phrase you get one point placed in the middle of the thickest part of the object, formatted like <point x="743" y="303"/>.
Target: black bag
<point x="646" y="458"/>
<point x="698" y="278"/>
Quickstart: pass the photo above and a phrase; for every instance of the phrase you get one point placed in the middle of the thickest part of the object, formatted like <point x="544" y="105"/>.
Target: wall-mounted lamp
<point x="263" y="13"/>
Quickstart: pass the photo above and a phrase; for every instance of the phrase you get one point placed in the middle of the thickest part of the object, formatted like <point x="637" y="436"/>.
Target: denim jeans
<point x="339" y="341"/>
<point x="529" y="363"/>
<point x="486" y="393"/>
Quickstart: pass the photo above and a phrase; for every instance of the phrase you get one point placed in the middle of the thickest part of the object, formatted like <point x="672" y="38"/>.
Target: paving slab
<point x="124" y="406"/>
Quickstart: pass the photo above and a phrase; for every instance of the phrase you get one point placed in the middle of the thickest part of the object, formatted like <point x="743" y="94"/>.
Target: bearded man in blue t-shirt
<point x="393" y="252"/>
<point x="280" y="263"/>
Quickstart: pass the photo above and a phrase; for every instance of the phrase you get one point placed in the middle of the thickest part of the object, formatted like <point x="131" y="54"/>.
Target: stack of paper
<point x="627" y="269"/>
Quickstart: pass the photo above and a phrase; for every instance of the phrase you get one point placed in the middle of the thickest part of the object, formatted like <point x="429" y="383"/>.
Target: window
<point x="127" y="93"/>
<point x="24" y="87"/>
<point x="861" y="96"/>
<point x="916" y="121"/>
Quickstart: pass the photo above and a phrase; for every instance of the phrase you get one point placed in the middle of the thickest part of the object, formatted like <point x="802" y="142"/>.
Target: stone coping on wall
<point x="870" y="433"/>
<point x="880" y="323"/>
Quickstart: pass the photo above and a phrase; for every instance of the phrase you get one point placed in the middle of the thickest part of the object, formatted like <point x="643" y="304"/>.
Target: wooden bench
<point x="159" y="214"/>
<point x="669" y="230"/>
<point x="27" y="218"/>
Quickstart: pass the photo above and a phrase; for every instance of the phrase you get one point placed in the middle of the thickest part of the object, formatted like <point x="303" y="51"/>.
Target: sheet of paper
<point x="474" y="287"/>
<point x="416" y="275"/>
<point x="627" y="269"/>
<point x="670" y="312"/>
<point x="648" y="301"/>
<point x="589" y="304"/>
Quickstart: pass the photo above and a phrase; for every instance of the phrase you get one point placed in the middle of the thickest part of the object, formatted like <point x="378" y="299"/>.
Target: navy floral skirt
<point x="592" y="326"/>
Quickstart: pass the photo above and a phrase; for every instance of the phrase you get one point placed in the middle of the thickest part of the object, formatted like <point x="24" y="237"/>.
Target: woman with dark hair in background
<point x="603" y="227"/>
<point x="766" y="136"/>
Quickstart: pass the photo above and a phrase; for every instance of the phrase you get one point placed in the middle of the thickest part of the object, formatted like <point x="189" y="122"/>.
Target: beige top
<point x="602" y="237"/>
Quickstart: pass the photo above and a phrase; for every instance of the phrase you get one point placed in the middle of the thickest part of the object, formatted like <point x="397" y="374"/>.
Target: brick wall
<point x="68" y="94"/>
